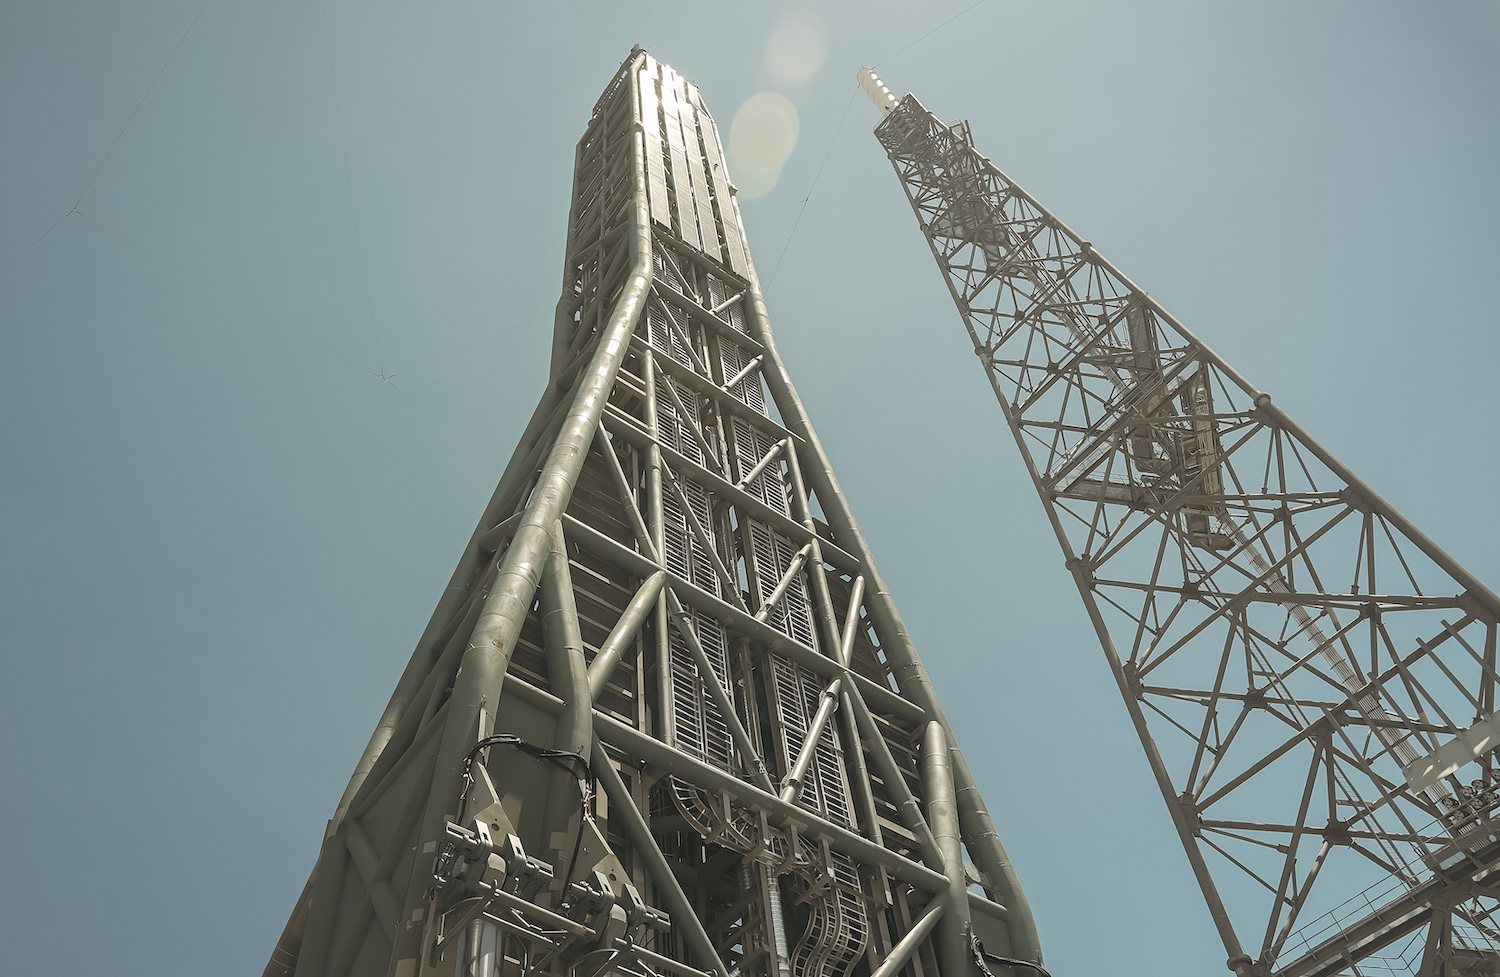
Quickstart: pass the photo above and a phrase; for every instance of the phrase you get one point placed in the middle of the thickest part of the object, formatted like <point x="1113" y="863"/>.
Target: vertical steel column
<point x="481" y="675"/>
<point x="666" y="722"/>
<point x="942" y="813"/>
<point x="565" y="669"/>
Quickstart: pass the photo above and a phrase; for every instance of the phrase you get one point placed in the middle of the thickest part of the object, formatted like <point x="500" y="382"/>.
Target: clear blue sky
<point x="221" y="530"/>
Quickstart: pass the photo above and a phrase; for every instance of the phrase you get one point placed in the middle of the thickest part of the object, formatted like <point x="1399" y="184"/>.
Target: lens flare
<point x="796" y="49"/>
<point x="761" y="137"/>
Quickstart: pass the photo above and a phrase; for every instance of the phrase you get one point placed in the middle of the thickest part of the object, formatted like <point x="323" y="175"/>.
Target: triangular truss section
<point x="1313" y="679"/>
<point x="666" y="718"/>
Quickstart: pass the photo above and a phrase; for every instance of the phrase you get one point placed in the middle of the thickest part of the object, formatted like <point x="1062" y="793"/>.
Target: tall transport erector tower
<point x="1312" y="678"/>
<point x="666" y="718"/>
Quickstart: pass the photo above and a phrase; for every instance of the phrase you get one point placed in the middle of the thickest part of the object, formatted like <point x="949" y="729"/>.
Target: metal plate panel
<point x="687" y="192"/>
<point x="656" y="177"/>
<point x="718" y="174"/>
<point x="691" y="120"/>
<point x="682" y="195"/>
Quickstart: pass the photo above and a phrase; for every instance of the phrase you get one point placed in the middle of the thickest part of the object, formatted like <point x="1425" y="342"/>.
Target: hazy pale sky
<point x="276" y="302"/>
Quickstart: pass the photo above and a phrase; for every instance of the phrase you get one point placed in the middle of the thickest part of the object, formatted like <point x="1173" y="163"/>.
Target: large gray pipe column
<point x="566" y="670"/>
<point x="481" y="675"/>
<point x="942" y="815"/>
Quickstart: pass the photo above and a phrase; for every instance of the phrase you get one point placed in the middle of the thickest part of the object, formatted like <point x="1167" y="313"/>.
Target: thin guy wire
<point x="929" y="33"/>
<point x="849" y="26"/>
<point x="440" y="417"/>
<point x="349" y="185"/>
<point x="98" y="169"/>
<point x="831" y="143"/>
<point x="138" y="105"/>
<point x="774" y="213"/>
<point x="38" y="240"/>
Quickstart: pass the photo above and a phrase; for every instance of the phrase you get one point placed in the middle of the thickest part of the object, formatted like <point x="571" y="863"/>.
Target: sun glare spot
<point x="796" y="49"/>
<point x="761" y="137"/>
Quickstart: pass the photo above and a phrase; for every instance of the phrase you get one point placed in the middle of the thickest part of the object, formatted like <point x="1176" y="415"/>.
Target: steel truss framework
<point x="665" y="718"/>
<point x="1312" y="678"/>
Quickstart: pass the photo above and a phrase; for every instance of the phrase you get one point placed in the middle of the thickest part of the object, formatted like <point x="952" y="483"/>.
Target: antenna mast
<point x="1312" y="678"/>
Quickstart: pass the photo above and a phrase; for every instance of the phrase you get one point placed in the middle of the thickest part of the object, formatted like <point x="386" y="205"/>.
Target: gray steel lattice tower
<point x="1312" y="678"/>
<point x="666" y="718"/>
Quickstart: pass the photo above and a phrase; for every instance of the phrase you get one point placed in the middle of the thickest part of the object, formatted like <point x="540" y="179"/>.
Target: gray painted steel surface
<point x="665" y="719"/>
<point x="1312" y="678"/>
